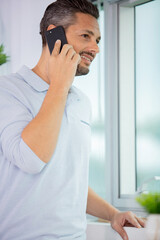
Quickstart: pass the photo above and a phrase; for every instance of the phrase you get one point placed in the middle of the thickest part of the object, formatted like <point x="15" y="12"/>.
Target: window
<point x="147" y="91"/>
<point x="133" y="79"/>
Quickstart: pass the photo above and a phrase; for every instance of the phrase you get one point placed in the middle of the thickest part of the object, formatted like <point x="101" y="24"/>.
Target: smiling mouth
<point x="86" y="58"/>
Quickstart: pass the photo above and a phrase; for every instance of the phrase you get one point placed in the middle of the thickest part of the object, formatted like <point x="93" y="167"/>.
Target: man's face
<point x="84" y="36"/>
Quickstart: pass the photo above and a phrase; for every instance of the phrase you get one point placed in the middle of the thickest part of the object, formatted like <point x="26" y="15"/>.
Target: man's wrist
<point x="114" y="213"/>
<point x="59" y="90"/>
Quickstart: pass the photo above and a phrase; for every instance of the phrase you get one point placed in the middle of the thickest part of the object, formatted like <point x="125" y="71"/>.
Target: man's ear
<point x="51" y="26"/>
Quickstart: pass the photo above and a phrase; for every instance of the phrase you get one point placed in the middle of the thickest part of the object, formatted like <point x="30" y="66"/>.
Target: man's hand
<point x="122" y="219"/>
<point x="62" y="66"/>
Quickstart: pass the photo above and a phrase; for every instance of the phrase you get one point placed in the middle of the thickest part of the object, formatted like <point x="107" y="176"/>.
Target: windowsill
<point x="103" y="231"/>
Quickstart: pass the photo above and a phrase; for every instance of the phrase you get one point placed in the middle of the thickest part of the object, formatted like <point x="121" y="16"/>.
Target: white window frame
<point x="112" y="13"/>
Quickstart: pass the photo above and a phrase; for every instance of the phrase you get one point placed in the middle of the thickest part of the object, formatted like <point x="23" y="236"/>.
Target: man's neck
<point x="41" y="68"/>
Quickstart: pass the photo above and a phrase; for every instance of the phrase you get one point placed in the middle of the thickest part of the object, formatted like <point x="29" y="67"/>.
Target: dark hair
<point x="62" y="13"/>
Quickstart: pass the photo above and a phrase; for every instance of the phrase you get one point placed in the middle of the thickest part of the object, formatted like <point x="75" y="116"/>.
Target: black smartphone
<point x="54" y="34"/>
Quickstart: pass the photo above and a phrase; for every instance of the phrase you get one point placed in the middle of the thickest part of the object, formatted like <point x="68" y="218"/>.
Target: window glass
<point x="126" y="102"/>
<point x="147" y="90"/>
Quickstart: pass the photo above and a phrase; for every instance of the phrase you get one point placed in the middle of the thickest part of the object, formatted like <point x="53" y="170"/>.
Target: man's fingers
<point x="118" y="228"/>
<point x="77" y="58"/>
<point x="66" y="49"/>
<point x="133" y="220"/>
<point x="71" y="53"/>
<point x="56" y="48"/>
<point x="141" y="222"/>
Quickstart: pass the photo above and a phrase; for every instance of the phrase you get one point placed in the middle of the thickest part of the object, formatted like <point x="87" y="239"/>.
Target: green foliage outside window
<point x="150" y="201"/>
<point x="3" y="56"/>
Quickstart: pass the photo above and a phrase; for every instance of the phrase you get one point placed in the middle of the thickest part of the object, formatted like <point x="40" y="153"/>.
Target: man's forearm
<point x="98" y="207"/>
<point x="42" y="132"/>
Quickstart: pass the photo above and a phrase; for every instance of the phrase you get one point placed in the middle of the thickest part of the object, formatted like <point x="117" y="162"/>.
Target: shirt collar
<point x="33" y="79"/>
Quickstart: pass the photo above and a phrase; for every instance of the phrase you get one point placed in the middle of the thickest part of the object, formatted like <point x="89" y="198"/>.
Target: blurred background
<point x="123" y="86"/>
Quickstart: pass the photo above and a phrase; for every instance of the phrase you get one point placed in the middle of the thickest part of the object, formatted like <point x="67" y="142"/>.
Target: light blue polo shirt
<point x="41" y="201"/>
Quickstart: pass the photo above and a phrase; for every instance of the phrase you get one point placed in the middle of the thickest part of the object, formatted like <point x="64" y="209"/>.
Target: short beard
<point x="81" y="71"/>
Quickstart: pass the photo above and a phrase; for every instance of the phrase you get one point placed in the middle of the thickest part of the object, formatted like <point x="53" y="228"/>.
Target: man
<point x="45" y="137"/>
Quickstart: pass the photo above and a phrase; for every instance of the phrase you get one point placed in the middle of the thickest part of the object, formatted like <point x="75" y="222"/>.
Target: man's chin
<point x="82" y="70"/>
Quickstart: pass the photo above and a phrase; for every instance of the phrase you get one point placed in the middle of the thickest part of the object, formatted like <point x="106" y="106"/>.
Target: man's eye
<point x="85" y="35"/>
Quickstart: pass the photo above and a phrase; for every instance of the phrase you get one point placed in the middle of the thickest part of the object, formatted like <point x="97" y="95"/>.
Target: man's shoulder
<point x="8" y="79"/>
<point x="10" y="82"/>
<point x="12" y="86"/>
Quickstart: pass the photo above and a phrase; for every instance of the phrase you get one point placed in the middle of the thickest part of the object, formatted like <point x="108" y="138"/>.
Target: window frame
<point x="112" y="20"/>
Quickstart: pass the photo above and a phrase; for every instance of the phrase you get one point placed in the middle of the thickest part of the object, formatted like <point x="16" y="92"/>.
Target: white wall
<point x="19" y="31"/>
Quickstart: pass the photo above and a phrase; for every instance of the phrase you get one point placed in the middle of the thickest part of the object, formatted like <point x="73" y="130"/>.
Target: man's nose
<point x="94" y="48"/>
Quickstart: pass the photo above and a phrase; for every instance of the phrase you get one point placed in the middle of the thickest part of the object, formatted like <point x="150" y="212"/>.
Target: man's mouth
<point x="88" y="58"/>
